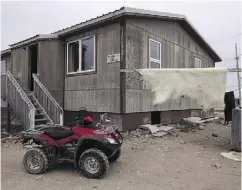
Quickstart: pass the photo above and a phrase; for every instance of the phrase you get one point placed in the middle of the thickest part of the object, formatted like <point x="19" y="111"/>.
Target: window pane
<point x="88" y="54"/>
<point x="73" y="57"/>
<point x="3" y="66"/>
<point x="154" y="65"/>
<point x="154" y="50"/>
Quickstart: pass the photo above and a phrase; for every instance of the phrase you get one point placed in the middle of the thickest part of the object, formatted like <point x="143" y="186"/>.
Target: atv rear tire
<point x="93" y="163"/>
<point x="115" y="157"/>
<point x="35" y="161"/>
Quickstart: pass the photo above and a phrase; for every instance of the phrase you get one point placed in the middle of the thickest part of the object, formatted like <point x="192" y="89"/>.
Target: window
<point x="81" y="55"/>
<point x="197" y="63"/>
<point x="154" y="54"/>
<point x="3" y="66"/>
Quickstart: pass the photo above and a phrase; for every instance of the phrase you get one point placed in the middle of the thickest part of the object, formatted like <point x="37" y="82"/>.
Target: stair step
<point x="39" y="111"/>
<point x="40" y="115"/>
<point x="36" y="105"/>
<point x="41" y="125"/>
<point x="31" y="98"/>
<point x="29" y="93"/>
<point x="41" y="121"/>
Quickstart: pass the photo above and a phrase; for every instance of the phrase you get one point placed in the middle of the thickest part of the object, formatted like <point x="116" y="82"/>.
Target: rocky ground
<point x="187" y="158"/>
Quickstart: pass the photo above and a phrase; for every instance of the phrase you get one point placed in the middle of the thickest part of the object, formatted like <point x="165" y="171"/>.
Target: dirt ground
<point x="170" y="163"/>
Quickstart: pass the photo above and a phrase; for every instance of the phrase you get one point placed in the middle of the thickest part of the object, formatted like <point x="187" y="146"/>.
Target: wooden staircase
<point x="41" y="116"/>
<point x="32" y="108"/>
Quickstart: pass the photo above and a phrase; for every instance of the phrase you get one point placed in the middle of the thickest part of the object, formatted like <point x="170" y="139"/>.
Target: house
<point x="90" y="65"/>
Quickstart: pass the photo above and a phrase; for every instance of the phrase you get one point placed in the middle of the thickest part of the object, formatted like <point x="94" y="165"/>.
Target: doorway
<point x="155" y="117"/>
<point x="33" y="57"/>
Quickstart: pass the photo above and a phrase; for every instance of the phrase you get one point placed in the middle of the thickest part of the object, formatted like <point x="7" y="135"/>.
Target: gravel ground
<point x="176" y="162"/>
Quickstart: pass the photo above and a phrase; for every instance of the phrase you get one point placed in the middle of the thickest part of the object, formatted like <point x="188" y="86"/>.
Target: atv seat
<point x="58" y="133"/>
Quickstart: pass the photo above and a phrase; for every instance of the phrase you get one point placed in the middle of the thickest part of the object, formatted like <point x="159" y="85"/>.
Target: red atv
<point x="91" y="147"/>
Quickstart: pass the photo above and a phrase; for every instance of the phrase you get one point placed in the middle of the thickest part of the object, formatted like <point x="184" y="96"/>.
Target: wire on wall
<point x="165" y="39"/>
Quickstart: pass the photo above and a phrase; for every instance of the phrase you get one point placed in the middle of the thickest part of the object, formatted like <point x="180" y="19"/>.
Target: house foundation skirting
<point x="131" y="121"/>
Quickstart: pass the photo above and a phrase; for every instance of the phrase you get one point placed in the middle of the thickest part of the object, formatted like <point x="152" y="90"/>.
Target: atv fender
<point x="36" y="138"/>
<point x="87" y="142"/>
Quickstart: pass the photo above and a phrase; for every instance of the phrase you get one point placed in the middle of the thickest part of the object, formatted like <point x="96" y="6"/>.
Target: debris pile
<point x="187" y="125"/>
<point x="236" y="156"/>
<point x="149" y="130"/>
<point x="197" y="121"/>
<point x="9" y="138"/>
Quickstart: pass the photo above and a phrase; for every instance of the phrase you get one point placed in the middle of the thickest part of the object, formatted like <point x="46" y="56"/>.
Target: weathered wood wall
<point x="51" y="67"/>
<point x="138" y="95"/>
<point x="99" y="91"/>
<point x="20" y="66"/>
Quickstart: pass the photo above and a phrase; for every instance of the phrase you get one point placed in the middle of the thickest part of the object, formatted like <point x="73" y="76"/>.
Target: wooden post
<point x="238" y="75"/>
<point x="236" y="130"/>
<point x="8" y="119"/>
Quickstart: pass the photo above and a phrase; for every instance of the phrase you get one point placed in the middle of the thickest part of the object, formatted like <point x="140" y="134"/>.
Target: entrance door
<point x="33" y="57"/>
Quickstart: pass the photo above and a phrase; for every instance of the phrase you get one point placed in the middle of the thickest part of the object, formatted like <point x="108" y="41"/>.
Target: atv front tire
<point x="115" y="157"/>
<point x="93" y="163"/>
<point x="35" y="161"/>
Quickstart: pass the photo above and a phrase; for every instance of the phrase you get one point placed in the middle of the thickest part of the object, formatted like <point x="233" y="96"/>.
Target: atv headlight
<point x="112" y="141"/>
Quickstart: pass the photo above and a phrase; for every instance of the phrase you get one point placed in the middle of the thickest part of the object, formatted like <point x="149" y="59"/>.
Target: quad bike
<point x="90" y="147"/>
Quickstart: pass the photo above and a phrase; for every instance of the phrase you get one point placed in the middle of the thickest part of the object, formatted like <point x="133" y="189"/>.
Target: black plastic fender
<point x="35" y="138"/>
<point x="99" y="141"/>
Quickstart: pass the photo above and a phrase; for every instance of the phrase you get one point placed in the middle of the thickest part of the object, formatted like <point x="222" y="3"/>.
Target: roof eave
<point x="212" y="52"/>
<point x="105" y="18"/>
<point x="5" y="53"/>
<point x="34" y="39"/>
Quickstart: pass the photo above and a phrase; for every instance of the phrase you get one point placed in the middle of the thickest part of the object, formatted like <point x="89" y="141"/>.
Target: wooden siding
<point x="98" y="91"/>
<point x="51" y="67"/>
<point x="20" y="66"/>
<point x="138" y="95"/>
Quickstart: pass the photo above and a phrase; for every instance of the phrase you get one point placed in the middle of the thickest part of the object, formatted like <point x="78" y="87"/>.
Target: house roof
<point x="115" y="14"/>
<point x="34" y="39"/>
<point x="5" y="52"/>
<point x="128" y="11"/>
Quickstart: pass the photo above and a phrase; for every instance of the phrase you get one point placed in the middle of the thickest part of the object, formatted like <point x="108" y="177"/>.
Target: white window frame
<point x="152" y="59"/>
<point x="200" y="62"/>
<point x="80" y="55"/>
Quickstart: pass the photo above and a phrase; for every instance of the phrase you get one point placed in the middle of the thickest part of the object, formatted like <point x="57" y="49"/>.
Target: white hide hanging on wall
<point x="206" y="85"/>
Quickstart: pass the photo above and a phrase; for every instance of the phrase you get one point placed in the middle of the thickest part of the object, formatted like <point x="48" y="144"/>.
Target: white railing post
<point x="31" y="118"/>
<point x="61" y="118"/>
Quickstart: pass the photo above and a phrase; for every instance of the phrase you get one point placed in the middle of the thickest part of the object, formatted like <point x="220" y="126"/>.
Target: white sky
<point x="218" y="22"/>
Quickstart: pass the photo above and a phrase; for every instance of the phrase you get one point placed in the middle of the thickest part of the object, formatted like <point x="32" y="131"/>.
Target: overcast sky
<point x="218" y="22"/>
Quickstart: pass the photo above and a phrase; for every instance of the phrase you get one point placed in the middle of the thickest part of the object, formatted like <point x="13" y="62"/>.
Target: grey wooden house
<point x="90" y="65"/>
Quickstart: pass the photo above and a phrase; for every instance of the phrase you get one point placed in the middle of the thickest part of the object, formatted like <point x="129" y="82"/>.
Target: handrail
<point x="20" y="90"/>
<point x="30" y="122"/>
<point x="57" y="119"/>
<point x="46" y="91"/>
<point x="43" y="110"/>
